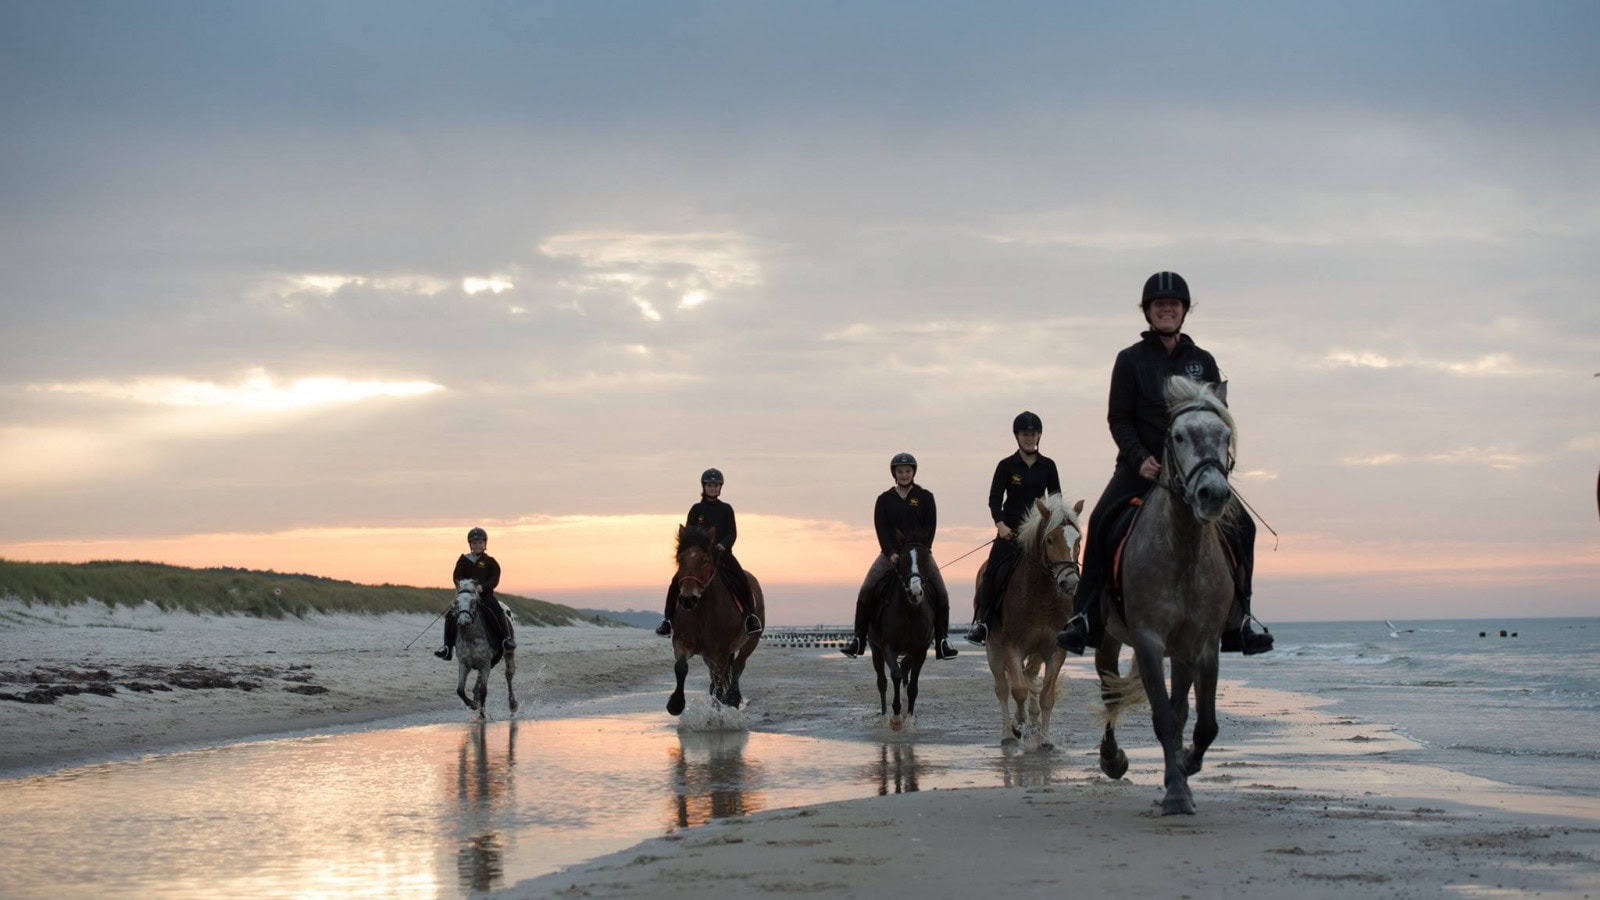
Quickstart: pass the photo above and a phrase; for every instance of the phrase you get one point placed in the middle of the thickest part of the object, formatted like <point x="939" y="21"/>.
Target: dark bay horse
<point x="1177" y="588"/>
<point x="473" y="650"/>
<point x="903" y="630"/>
<point x="708" y="621"/>
<point x="1035" y="605"/>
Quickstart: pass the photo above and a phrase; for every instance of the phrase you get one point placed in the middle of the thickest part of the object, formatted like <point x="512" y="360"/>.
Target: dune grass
<point x="267" y="595"/>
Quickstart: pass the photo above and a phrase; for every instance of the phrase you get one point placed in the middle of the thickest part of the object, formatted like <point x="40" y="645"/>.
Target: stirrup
<point x="943" y="650"/>
<point x="1075" y="637"/>
<point x="444" y="653"/>
<point x="752" y="625"/>
<point x="665" y="628"/>
<point x="854" y="647"/>
<point x="978" y="634"/>
<point x="1251" y="642"/>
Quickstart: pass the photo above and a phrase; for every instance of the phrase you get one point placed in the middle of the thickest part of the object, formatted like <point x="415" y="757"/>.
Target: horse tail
<point x="1120" y="693"/>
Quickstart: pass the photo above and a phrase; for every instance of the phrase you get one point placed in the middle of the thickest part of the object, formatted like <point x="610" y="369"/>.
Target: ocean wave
<point x="1538" y="752"/>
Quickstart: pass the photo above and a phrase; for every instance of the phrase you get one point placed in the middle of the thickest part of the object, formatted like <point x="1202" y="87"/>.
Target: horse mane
<point x="1182" y="392"/>
<point x="1035" y="526"/>
<point x="691" y="536"/>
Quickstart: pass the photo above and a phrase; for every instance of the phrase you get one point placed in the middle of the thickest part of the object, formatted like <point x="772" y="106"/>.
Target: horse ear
<point x="1044" y="511"/>
<point x="1077" y="508"/>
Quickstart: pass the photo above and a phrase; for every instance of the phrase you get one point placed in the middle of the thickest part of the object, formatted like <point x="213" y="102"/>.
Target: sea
<point x="441" y="807"/>
<point x="1513" y="700"/>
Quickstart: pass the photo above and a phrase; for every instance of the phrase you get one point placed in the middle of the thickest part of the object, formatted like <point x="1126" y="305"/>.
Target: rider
<point x="479" y="566"/>
<point x="712" y="512"/>
<point x="1138" y="419"/>
<point x="1019" y="479"/>
<point x="906" y="508"/>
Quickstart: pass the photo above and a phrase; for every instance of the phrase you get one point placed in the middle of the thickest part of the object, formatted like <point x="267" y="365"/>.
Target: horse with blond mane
<point x="1034" y="605"/>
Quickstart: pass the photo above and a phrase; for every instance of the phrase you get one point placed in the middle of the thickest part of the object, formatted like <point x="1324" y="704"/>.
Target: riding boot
<point x="979" y="632"/>
<point x="1242" y="638"/>
<point x="448" y="649"/>
<point x="1080" y="631"/>
<point x="854" y="647"/>
<point x="943" y="650"/>
<point x="665" y="628"/>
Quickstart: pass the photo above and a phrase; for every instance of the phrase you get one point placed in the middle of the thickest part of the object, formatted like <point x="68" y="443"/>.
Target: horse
<point x="473" y="651"/>
<point x="1177" y="588"/>
<point x="1035" y="605"/>
<point x="900" y="634"/>
<point x="707" y="621"/>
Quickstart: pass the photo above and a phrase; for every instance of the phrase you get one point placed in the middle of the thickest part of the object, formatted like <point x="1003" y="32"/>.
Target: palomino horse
<point x="1035" y="605"/>
<point x="708" y="621"/>
<point x="1176" y="591"/>
<point x="473" y="652"/>
<point x="900" y="635"/>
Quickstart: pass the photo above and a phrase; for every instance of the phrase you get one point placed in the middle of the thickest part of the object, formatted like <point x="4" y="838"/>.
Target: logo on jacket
<point x="1016" y="479"/>
<point x="912" y="501"/>
<point x="1194" y="370"/>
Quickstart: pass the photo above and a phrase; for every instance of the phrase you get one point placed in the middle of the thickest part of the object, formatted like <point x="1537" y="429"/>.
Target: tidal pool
<point x="442" y="810"/>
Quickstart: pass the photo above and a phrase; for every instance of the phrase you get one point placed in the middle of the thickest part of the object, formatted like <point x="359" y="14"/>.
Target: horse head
<point x="466" y="605"/>
<point x="914" y="566"/>
<point x="697" y="563"/>
<point x="1051" y="536"/>
<point x="1199" y="449"/>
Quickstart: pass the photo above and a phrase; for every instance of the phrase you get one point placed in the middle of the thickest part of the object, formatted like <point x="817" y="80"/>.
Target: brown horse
<point x="1177" y="588"/>
<point x="1035" y="605"/>
<point x="708" y="621"/>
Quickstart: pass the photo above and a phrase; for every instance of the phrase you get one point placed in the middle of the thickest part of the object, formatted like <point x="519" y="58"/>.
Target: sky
<point x="317" y="287"/>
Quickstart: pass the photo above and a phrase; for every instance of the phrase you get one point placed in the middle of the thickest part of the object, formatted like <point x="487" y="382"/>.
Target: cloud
<point x="1488" y="365"/>
<point x="258" y="392"/>
<point x="654" y="271"/>
<point x="492" y="284"/>
<point x="327" y="284"/>
<point x="1493" y="457"/>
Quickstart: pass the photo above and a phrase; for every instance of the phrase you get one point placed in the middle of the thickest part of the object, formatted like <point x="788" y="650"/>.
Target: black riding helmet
<point x="711" y="476"/>
<point x="1026" y="421"/>
<point x="903" y="459"/>
<point x="477" y="534"/>
<point x="1165" y="286"/>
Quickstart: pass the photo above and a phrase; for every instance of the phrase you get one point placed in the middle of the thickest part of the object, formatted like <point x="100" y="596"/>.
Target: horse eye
<point x="1178" y="438"/>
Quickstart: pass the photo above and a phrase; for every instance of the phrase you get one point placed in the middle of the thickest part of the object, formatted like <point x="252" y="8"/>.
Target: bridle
<point x="471" y="612"/>
<point x="1178" y="482"/>
<point x="1052" y="570"/>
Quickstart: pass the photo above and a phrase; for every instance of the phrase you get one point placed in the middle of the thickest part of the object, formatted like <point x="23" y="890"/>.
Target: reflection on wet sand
<point x="710" y="779"/>
<point x="897" y="767"/>
<point x="484" y="791"/>
<point x="1032" y="769"/>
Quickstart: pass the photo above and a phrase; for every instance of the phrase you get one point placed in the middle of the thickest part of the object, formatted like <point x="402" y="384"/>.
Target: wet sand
<point x="1295" y="799"/>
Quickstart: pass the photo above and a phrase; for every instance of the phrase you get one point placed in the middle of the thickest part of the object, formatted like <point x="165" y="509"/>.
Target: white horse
<point x="473" y="650"/>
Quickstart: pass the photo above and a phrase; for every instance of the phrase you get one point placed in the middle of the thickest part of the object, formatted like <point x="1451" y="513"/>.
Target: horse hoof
<point x="1010" y="745"/>
<point x="895" y="723"/>
<point x="1179" y="805"/>
<point x="675" y="705"/>
<point x="1047" y="747"/>
<point x="1115" y="766"/>
<point x="515" y="706"/>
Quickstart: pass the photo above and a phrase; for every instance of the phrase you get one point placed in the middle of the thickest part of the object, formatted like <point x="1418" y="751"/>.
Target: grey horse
<point x="473" y="651"/>
<point x="1176" y="591"/>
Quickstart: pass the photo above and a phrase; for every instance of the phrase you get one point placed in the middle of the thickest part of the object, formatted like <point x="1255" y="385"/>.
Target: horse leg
<point x="511" y="670"/>
<point x="1002" y="693"/>
<point x="461" y="680"/>
<point x="883" y="682"/>
<point x="1113" y="762"/>
<point x="480" y="689"/>
<point x="1047" y="697"/>
<point x="680" y="671"/>
<point x="913" y="672"/>
<point x="732" y="696"/>
<point x="1148" y="650"/>
<point x="1019" y="690"/>
<point x="1182" y="681"/>
<point x="1205" y="724"/>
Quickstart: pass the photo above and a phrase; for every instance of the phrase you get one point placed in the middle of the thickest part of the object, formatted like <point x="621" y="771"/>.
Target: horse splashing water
<point x="1036" y="602"/>
<point x="901" y="633"/>
<point x="1176" y="590"/>
<point x="475" y="651"/>
<point x="708" y="621"/>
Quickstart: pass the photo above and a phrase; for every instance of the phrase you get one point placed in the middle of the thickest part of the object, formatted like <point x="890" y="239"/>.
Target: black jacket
<point x="485" y="571"/>
<point x="1138" y="405"/>
<point x="715" y="514"/>
<point x="915" y="516"/>
<point x="1020" y="484"/>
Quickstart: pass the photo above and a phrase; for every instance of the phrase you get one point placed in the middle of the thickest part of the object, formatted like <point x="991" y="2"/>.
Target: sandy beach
<point x="1295" y="800"/>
